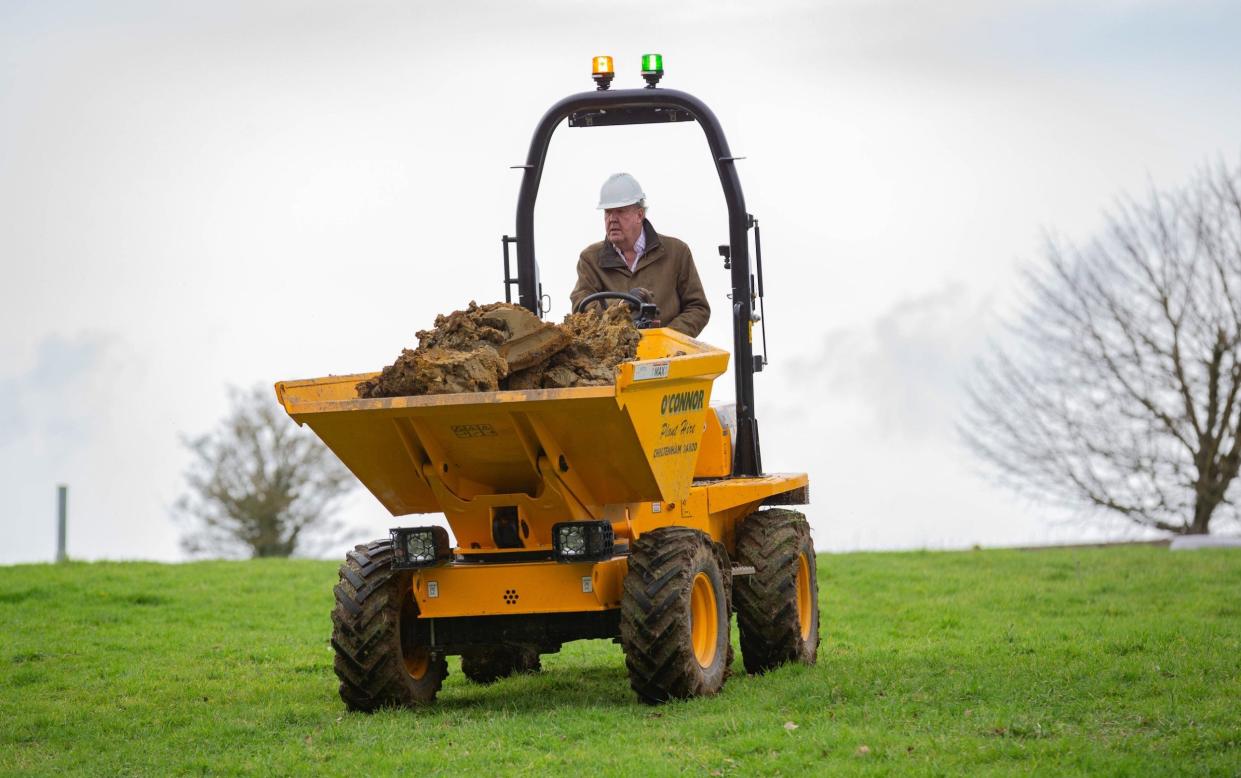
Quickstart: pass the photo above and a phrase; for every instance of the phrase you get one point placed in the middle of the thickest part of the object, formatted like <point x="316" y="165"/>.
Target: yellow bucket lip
<point x="295" y="405"/>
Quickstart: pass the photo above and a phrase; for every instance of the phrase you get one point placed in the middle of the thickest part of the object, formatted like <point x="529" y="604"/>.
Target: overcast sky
<point x="199" y="195"/>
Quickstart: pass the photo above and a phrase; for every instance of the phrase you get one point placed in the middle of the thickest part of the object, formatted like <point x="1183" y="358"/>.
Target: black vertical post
<point x="508" y="274"/>
<point x="746" y="459"/>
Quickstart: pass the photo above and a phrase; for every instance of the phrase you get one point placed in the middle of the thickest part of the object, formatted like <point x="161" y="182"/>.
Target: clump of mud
<point x="502" y="346"/>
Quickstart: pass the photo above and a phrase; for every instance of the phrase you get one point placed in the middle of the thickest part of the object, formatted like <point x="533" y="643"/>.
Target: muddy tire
<point x="382" y="658"/>
<point x="777" y="606"/>
<point x="490" y="664"/>
<point x="675" y="616"/>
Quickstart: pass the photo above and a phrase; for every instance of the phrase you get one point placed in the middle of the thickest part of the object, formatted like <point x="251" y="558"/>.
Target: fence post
<point x="62" y="515"/>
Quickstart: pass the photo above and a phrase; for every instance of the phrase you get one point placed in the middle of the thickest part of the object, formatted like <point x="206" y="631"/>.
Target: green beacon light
<point x="652" y="69"/>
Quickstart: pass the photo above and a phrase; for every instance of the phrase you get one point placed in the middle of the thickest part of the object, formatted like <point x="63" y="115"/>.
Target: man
<point x="635" y="258"/>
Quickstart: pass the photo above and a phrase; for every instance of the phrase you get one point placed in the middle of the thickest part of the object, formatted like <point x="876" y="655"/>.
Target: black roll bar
<point x="646" y="103"/>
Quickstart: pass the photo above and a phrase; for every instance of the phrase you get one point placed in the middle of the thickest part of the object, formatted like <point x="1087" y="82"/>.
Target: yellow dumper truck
<point x="635" y="512"/>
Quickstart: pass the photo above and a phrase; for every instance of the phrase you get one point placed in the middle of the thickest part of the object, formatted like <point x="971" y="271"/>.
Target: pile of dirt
<point x="485" y="348"/>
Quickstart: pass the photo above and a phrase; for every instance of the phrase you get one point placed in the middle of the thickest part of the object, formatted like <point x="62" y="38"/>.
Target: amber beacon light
<point x="602" y="72"/>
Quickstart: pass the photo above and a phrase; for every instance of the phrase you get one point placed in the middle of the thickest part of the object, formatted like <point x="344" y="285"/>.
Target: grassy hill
<point x="1114" y="661"/>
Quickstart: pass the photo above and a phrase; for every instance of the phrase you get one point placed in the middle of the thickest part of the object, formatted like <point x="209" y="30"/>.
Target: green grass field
<point x="1123" y="661"/>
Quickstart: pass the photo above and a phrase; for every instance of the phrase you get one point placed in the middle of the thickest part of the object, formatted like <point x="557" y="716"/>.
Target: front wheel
<point x="675" y="616"/>
<point x="383" y="655"/>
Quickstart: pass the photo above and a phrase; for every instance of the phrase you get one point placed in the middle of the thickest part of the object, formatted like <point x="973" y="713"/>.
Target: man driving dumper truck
<point x="635" y="512"/>
<point x="658" y="269"/>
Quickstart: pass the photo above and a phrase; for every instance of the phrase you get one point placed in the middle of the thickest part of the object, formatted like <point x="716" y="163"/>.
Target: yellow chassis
<point x="493" y="589"/>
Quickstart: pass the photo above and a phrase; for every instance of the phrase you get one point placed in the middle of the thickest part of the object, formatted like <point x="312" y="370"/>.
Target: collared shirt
<point x="639" y="248"/>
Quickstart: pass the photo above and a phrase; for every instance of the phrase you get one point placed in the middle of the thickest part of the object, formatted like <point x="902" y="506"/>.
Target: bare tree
<point x="259" y="484"/>
<point x="1119" y="386"/>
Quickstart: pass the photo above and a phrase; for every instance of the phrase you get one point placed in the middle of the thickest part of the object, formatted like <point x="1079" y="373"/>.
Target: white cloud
<point x="43" y="408"/>
<point x="906" y="367"/>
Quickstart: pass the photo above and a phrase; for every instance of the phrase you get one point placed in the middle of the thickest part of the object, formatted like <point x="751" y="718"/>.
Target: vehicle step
<point x="743" y="570"/>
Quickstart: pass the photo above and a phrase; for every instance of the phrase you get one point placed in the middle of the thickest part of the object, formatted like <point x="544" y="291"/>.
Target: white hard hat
<point x="619" y="190"/>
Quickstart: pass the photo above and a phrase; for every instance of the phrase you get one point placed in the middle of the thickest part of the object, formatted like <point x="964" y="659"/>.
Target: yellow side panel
<point x="668" y="419"/>
<point x="690" y="512"/>
<point x="715" y="451"/>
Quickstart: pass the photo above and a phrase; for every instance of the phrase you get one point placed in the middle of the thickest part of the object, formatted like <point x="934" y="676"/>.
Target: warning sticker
<point x="433" y="588"/>
<point x="587" y="585"/>
<point x="656" y="507"/>
<point x="645" y="371"/>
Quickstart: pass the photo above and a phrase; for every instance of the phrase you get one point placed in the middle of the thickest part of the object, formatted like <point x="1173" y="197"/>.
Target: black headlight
<point x="577" y="541"/>
<point x="419" y="546"/>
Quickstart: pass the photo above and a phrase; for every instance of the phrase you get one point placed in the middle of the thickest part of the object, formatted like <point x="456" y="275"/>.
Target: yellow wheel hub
<point x="704" y="625"/>
<point x="805" y="600"/>
<point x="418" y="662"/>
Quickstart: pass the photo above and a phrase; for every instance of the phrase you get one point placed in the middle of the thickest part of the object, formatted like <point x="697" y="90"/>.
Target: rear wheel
<point x="491" y="663"/>
<point x="383" y="658"/>
<point x="777" y="606"/>
<point x="675" y="616"/>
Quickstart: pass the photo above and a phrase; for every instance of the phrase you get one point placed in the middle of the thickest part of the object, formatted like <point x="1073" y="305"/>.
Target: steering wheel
<point x="634" y="301"/>
<point x="645" y="315"/>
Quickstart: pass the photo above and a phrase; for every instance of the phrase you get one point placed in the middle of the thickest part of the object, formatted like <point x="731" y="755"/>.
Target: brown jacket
<point x="666" y="268"/>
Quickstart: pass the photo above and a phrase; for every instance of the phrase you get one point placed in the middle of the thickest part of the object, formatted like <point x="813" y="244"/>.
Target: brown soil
<point x="502" y="346"/>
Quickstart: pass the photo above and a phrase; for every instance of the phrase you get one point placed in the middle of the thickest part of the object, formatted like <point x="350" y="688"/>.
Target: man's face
<point x="623" y="225"/>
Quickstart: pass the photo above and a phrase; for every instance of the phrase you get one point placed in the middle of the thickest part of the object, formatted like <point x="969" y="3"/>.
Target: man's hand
<point x="643" y="294"/>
